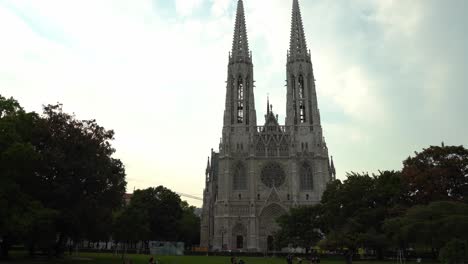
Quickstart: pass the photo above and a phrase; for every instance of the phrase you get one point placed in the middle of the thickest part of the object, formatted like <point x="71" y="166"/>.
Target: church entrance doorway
<point x="268" y="225"/>
<point x="240" y="242"/>
<point x="239" y="231"/>
<point x="270" y="243"/>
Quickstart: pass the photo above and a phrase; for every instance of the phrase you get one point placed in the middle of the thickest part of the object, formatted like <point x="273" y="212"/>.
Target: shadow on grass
<point x="108" y="258"/>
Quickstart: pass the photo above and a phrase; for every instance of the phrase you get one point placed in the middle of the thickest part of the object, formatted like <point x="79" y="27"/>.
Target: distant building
<point x="198" y="212"/>
<point x="260" y="172"/>
<point x="127" y="198"/>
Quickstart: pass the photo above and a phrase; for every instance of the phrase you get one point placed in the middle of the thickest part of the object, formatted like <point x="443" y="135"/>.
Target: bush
<point x="454" y="252"/>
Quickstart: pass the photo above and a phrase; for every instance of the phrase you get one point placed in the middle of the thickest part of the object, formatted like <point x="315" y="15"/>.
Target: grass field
<point x="105" y="258"/>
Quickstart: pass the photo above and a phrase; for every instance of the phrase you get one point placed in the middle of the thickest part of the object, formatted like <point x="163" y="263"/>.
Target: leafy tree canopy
<point x="437" y="173"/>
<point x="434" y="224"/>
<point x="58" y="177"/>
<point x="164" y="210"/>
<point x="299" y="227"/>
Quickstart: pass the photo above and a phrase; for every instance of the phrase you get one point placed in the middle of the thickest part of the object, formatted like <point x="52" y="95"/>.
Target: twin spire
<point x="297" y="45"/>
<point x="240" y="44"/>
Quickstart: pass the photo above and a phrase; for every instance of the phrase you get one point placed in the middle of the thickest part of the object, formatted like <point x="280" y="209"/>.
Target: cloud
<point x="187" y="7"/>
<point x="220" y="7"/>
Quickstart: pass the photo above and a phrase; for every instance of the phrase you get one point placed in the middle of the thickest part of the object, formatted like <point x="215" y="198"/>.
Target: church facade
<point x="260" y="172"/>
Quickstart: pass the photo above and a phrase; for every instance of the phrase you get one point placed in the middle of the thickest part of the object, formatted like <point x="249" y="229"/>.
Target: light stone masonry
<point x="260" y="172"/>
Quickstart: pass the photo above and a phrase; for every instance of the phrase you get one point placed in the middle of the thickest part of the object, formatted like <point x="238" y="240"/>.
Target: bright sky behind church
<point x="391" y="75"/>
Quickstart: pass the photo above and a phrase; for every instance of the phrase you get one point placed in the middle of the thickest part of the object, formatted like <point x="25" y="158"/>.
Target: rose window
<point x="273" y="175"/>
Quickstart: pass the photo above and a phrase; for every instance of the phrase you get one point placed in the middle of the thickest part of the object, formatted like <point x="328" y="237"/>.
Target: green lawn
<point x="105" y="258"/>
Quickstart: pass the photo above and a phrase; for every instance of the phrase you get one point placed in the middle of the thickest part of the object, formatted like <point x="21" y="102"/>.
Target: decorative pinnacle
<point x="268" y="104"/>
<point x="297" y="44"/>
<point x="240" y="45"/>
<point x="208" y="167"/>
<point x="332" y="165"/>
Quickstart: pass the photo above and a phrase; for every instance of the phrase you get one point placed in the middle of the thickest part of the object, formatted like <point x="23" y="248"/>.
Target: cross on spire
<point x="240" y="44"/>
<point x="297" y="45"/>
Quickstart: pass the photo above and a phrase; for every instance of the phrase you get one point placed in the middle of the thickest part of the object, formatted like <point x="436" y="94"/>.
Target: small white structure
<point x="159" y="248"/>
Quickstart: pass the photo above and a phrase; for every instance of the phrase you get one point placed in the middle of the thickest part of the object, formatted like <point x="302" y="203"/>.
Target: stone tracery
<point x="273" y="175"/>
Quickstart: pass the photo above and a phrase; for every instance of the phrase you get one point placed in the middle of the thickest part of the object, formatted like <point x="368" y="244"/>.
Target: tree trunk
<point x="434" y="253"/>
<point x="124" y="249"/>
<point x="59" y="246"/>
<point x="380" y="253"/>
<point x="4" y="248"/>
<point x="349" y="256"/>
<point x="31" y="249"/>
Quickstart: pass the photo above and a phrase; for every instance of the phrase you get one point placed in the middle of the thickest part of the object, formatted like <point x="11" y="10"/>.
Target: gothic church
<point x="262" y="171"/>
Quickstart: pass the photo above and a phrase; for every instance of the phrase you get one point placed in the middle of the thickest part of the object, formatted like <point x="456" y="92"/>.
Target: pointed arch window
<point x="247" y="86"/>
<point x="293" y="85"/>
<point x="240" y="100"/>
<point x="301" y="87"/>
<point x="302" y="112"/>
<point x="233" y="85"/>
<point x="239" y="177"/>
<point x="240" y="89"/>
<point x="306" y="179"/>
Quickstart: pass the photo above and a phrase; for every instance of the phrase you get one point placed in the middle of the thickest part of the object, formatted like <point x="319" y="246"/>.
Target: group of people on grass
<point x="153" y="261"/>
<point x="314" y="259"/>
<point x="234" y="261"/>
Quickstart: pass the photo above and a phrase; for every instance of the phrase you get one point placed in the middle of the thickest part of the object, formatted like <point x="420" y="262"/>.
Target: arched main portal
<point x="268" y="225"/>
<point x="270" y="243"/>
<point x="239" y="242"/>
<point x="239" y="235"/>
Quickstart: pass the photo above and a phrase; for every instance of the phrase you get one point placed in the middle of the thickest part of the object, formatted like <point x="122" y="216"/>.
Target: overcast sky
<point x="391" y="75"/>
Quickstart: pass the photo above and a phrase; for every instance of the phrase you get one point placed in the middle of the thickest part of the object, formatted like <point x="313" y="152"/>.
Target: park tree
<point x="300" y="227"/>
<point x="353" y="211"/>
<point x="40" y="229"/>
<point x="80" y="178"/>
<point x="164" y="210"/>
<point x="455" y="252"/>
<point x="188" y="226"/>
<point x="157" y="214"/>
<point x="432" y="225"/>
<point x="131" y="224"/>
<point x="19" y="162"/>
<point x="58" y="178"/>
<point x="437" y="173"/>
<point x="343" y="207"/>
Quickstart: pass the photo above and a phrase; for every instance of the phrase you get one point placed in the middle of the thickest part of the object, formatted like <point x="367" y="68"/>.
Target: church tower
<point x="240" y="103"/>
<point x="260" y="172"/>
<point x="300" y="77"/>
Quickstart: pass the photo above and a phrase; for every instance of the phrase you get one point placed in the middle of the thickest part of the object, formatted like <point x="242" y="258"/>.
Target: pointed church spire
<point x="208" y="167"/>
<point x="240" y="44"/>
<point x="297" y="45"/>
